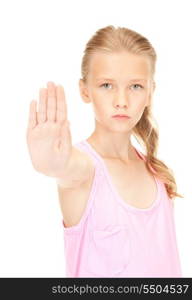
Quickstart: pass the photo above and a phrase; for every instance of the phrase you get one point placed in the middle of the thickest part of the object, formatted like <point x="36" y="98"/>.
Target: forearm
<point x="75" y="172"/>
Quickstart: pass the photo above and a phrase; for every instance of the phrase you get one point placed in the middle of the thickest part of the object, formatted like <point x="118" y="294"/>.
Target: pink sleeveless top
<point x="115" y="239"/>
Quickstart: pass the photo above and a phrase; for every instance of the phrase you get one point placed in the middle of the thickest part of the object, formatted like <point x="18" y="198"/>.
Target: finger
<point x="41" y="115"/>
<point x="51" y="102"/>
<point x="32" y="120"/>
<point x="61" y="113"/>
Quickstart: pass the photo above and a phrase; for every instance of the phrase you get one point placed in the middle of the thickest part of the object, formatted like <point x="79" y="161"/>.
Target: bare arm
<point x="78" y="171"/>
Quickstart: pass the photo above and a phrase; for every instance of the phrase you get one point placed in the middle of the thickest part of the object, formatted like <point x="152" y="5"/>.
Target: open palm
<point x="48" y="133"/>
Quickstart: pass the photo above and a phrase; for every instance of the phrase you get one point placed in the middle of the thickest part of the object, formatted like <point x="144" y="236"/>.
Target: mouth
<point x="121" y="116"/>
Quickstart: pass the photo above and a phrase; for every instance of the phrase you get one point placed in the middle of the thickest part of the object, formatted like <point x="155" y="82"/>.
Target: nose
<point x="119" y="106"/>
<point x="120" y="101"/>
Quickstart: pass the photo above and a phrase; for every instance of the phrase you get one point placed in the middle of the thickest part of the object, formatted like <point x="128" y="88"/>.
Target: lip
<point x="121" y="116"/>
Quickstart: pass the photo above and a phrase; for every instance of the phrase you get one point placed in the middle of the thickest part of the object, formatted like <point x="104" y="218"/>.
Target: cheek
<point x="139" y="102"/>
<point x="100" y="108"/>
<point x="138" y="111"/>
<point x="100" y="103"/>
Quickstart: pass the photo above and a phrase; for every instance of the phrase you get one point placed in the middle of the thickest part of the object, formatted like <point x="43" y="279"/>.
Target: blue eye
<point x="105" y="84"/>
<point x="138" y="85"/>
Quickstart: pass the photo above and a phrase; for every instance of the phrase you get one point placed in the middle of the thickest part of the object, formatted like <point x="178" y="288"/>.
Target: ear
<point x="84" y="91"/>
<point x="152" y="89"/>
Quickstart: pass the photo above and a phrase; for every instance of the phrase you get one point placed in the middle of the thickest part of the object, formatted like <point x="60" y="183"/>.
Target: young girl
<point x="116" y="202"/>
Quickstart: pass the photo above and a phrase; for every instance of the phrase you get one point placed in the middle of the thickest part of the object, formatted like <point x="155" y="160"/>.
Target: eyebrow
<point x="111" y="79"/>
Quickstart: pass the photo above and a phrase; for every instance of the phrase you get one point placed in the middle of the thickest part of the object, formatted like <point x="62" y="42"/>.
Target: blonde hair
<point x="108" y="40"/>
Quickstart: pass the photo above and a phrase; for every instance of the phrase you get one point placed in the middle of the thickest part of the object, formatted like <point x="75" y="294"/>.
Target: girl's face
<point x="117" y="84"/>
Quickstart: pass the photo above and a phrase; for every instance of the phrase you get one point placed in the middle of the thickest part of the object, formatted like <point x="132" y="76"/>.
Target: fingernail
<point x="50" y="83"/>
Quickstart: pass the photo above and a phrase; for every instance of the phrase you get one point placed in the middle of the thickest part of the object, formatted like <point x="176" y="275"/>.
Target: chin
<point x="120" y="129"/>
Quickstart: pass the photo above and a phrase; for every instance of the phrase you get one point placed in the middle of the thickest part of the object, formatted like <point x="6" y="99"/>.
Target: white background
<point x="44" y="40"/>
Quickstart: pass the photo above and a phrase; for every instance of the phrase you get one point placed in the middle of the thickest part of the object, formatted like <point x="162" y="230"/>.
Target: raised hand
<point x="48" y="133"/>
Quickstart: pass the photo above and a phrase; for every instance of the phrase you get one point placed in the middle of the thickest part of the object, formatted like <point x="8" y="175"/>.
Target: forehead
<point x="121" y="65"/>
